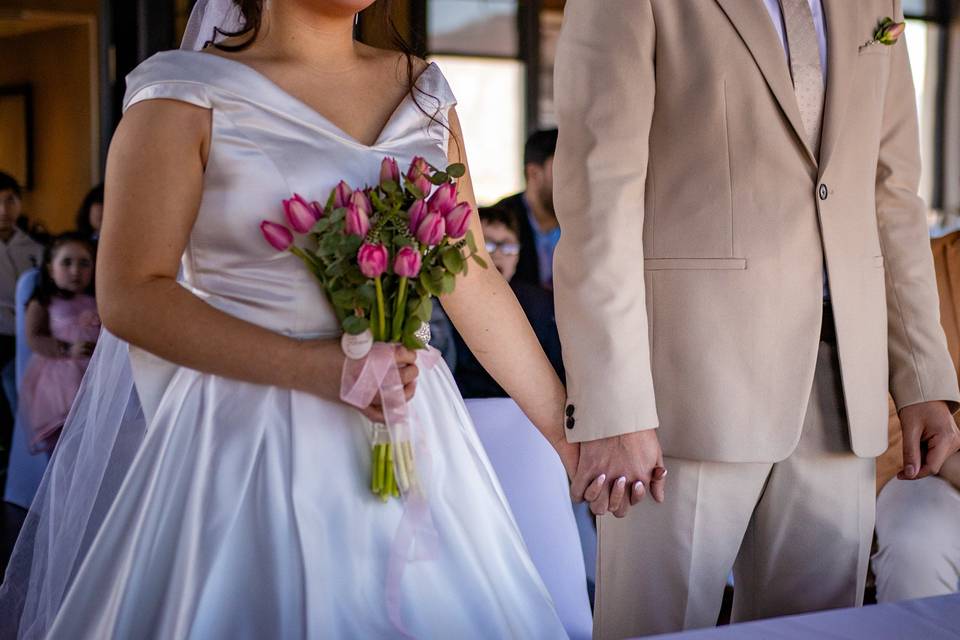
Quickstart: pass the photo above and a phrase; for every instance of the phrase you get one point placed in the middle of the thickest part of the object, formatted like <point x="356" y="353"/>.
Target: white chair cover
<point x="535" y="484"/>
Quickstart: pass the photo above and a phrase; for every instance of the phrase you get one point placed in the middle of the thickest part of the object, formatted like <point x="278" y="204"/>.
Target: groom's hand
<point x="930" y="436"/>
<point x="613" y="473"/>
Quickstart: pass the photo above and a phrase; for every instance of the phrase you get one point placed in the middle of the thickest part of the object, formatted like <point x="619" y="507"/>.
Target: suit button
<point x="570" y="410"/>
<point x="571" y="421"/>
<point x="823" y="192"/>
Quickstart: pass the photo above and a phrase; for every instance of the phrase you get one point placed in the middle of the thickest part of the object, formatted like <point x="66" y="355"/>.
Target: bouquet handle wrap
<point x="416" y="538"/>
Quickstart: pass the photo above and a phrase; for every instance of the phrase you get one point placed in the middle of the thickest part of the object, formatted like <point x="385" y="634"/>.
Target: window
<point x="477" y="45"/>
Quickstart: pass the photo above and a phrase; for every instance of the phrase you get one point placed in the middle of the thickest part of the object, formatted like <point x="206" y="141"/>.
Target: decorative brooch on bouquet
<point x="381" y="254"/>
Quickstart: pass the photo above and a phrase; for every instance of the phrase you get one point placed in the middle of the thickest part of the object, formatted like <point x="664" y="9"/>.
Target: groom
<point x="743" y="272"/>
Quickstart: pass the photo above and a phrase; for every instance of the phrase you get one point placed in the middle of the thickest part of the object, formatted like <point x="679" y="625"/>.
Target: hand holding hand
<point x="629" y="463"/>
<point x="930" y="436"/>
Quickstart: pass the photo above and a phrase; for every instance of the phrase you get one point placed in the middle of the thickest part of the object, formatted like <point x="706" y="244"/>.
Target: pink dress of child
<point x="51" y="384"/>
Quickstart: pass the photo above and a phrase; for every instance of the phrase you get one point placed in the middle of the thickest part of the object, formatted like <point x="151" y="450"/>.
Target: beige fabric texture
<point x="683" y="159"/>
<point x="797" y="533"/>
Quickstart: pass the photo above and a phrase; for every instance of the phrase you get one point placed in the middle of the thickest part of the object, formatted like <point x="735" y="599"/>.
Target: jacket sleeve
<point x="604" y="92"/>
<point x="920" y="366"/>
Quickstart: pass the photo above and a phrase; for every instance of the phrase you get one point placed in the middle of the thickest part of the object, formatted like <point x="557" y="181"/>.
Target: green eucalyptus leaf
<point x="354" y="325"/>
<point x="457" y="170"/>
<point x="453" y="260"/>
<point x="343" y="298"/>
<point x="412" y="342"/>
<point x="449" y="283"/>
<point x="480" y="261"/>
<point x="367" y="294"/>
<point x="425" y="309"/>
<point x="439" y="178"/>
<point x="471" y="242"/>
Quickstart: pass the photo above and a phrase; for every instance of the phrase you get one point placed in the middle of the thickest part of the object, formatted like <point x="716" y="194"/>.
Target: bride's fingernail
<point x="621" y="482"/>
<point x="637" y="486"/>
<point x="601" y="478"/>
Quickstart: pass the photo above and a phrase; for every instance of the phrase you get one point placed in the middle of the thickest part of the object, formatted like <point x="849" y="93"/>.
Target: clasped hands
<point x="615" y="473"/>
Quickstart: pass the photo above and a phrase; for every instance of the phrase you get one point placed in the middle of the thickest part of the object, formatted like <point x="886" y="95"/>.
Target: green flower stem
<point x="398" y="311"/>
<point x="378" y="467"/>
<point x="381" y="311"/>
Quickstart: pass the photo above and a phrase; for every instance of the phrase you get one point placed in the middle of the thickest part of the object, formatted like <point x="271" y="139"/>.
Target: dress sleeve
<point x="166" y="77"/>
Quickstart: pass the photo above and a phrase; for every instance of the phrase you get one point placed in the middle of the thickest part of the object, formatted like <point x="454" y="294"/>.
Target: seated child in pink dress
<point x="62" y="327"/>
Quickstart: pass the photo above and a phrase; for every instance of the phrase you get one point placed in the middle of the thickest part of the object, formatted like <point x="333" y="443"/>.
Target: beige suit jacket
<point x="682" y="161"/>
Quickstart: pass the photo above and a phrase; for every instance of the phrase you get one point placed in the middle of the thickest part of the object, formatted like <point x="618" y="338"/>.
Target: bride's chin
<point x="333" y="8"/>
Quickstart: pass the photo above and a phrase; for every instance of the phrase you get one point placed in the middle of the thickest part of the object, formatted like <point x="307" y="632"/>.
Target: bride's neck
<point x="309" y="37"/>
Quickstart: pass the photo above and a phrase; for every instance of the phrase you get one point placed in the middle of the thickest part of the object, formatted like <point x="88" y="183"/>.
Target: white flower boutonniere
<point x="888" y="33"/>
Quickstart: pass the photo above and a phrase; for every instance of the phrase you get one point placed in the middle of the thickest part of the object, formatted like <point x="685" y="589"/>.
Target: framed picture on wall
<point x="16" y="133"/>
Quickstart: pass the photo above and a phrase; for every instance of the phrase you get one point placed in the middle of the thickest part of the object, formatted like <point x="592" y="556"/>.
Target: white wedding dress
<point x="247" y="512"/>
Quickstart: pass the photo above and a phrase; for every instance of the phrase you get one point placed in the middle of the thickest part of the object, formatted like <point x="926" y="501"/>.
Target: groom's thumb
<point x="911" y="452"/>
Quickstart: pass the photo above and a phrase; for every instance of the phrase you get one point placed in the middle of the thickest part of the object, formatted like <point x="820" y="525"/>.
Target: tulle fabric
<point x="102" y="435"/>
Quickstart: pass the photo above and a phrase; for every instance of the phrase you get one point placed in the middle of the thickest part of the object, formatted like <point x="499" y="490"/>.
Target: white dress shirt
<point x="816" y="8"/>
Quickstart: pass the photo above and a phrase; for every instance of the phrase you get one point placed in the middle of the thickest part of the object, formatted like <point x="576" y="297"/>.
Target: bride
<point x="224" y="494"/>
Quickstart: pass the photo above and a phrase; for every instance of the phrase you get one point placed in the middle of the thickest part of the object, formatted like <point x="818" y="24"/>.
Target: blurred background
<point x="63" y="63"/>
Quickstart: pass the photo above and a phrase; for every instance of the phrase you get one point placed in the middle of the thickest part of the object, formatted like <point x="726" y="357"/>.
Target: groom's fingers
<point x="658" y="484"/>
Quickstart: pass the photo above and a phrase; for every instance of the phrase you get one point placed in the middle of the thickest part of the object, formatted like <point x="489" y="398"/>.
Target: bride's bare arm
<point x="154" y="183"/>
<point x="494" y="326"/>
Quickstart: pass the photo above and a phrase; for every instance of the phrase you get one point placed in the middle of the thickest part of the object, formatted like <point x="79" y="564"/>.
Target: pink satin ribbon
<point x="416" y="538"/>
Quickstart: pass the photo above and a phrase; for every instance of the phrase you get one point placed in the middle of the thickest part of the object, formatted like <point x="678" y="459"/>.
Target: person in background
<point x="501" y="235"/>
<point x="18" y="252"/>
<point x="90" y="214"/>
<point x="538" y="228"/>
<point x="928" y="508"/>
<point x="62" y="327"/>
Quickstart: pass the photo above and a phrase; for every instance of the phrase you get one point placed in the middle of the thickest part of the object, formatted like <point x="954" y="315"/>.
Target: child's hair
<point x="47" y="289"/>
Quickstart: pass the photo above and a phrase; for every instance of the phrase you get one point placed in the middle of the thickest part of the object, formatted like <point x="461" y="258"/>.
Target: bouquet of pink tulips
<point x="381" y="254"/>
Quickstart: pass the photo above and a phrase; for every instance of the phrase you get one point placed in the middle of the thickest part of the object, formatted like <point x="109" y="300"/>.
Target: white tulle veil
<point x="100" y="441"/>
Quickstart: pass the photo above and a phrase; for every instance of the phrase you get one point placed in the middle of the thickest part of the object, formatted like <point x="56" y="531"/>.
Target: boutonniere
<point x="888" y="33"/>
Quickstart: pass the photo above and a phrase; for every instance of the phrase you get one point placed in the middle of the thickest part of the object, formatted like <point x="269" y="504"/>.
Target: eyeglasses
<point x="506" y="248"/>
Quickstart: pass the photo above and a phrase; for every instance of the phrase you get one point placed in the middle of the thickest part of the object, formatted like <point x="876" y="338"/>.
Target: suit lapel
<point x="753" y="24"/>
<point x="842" y="19"/>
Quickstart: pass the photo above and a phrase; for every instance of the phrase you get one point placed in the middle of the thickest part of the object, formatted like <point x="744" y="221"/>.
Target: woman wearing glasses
<point x="501" y="234"/>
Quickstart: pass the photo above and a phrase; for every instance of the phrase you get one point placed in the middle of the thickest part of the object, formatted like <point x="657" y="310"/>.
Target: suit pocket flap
<point x="695" y="264"/>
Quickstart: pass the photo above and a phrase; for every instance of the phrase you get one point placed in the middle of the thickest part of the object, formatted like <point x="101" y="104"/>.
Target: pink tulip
<point x="417" y="212"/>
<point x="361" y="201"/>
<point x="458" y="220"/>
<point x="419" y="175"/>
<point x="444" y="199"/>
<point x="389" y="171"/>
<point x="277" y="235"/>
<point x="342" y="195"/>
<point x="372" y="259"/>
<point x="407" y="262"/>
<point x="301" y="214"/>
<point x="358" y="222"/>
<point x="431" y="229"/>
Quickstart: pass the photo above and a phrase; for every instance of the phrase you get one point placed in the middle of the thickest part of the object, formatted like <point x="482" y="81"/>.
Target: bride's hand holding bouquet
<point x="381" y="254"/>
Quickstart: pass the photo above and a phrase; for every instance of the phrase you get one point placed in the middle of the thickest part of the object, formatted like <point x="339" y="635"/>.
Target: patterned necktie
<point x="804" y="48"/>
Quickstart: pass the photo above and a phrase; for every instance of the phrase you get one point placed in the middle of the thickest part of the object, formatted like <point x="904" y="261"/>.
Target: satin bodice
<point x="265" y="146"/>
